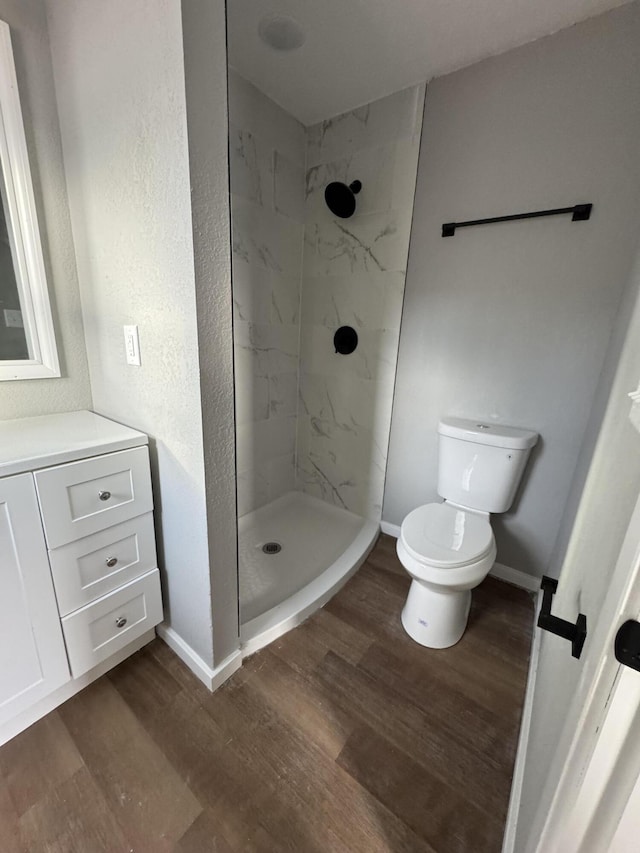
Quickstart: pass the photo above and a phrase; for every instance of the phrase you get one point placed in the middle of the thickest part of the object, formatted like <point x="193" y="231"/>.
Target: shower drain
<point x="272" y="548"/>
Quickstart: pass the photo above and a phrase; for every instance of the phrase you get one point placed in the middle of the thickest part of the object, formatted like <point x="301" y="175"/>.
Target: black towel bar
<point x="579" y="212"/>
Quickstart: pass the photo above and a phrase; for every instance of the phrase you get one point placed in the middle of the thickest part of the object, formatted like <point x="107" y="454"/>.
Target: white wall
<point x="205" y="61"/>
<point x="511" y="322"/>
<point x="27" y="20"/>
<point x="120" y="88"/>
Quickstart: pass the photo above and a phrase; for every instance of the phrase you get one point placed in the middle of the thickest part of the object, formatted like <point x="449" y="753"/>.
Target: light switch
<point x="132" y="345"/>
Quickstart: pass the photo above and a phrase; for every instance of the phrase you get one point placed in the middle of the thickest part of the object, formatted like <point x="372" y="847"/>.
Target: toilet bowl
<point x="448" y="548"/>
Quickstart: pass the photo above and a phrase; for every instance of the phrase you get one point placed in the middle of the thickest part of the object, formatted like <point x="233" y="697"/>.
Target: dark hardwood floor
<point x="344" y="735"/>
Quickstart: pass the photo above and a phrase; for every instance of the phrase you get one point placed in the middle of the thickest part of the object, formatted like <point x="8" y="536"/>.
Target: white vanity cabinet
<point x="33" y="661"/>
<point x="79" y="581"/>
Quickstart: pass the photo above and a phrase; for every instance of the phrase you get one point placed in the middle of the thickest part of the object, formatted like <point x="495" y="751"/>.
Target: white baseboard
<point x="211" y="678"/>
<point x="523" y="741"/>
<point x="390" y="529"/>
<point x="515" y="577"/>
<point x="48" y="703"/>
<point x="503" y="573"/>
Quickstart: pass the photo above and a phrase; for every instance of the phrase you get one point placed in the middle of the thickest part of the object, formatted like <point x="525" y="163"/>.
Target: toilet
<point x="449" y="548"/>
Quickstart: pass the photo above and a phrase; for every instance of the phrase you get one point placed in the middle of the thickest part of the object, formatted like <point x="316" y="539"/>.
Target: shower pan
<point x="320" y="227"/>
<point x="320" y="548"/>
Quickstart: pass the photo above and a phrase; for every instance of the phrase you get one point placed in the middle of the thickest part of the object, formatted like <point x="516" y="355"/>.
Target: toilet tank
<point x="481" y="464"/>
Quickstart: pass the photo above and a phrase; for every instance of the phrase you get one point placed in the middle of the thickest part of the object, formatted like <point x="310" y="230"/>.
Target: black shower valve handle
<point x="345" y="340"/>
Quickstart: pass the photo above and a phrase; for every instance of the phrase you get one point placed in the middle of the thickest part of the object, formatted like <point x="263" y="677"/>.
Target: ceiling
<point x="359" y="50"/>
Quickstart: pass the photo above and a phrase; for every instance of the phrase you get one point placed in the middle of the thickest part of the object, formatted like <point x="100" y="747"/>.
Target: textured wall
<point x="511" y="322"/>
<point x="267" y="150"/>
<point x="205" y="61"/>
<point x="71" y="391"/>
<point x="121" y="95"/>
<point x="353" y="274"/>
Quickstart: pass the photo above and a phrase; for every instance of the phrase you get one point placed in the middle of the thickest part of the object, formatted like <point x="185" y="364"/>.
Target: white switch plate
<point x="13" y="318"/>
<point x="132" y="345"/>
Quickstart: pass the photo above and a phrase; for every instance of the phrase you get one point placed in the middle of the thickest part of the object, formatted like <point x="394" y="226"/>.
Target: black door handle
<point x="576" y="634"/>
<point x="627" y="644"/>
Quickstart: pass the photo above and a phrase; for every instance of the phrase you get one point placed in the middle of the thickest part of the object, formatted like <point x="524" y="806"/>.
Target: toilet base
<point x="435" y="619"/>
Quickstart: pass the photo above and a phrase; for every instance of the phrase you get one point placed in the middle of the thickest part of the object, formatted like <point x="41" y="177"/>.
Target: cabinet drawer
<point x="93" y="566"/>
<point x="100" y="629"/>
<point x="84" y="497"/>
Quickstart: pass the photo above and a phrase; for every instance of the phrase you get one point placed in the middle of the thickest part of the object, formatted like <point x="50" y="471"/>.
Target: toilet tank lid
<point x="481" y="432"/>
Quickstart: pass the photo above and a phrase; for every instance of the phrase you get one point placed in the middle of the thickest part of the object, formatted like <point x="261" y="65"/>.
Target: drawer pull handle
<point x="121" y="621"/>
<point x="112" y="561"/>
<point x="104" y="496"/>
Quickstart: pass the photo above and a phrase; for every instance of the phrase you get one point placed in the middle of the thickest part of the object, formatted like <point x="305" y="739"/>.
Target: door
<point x="597" y="806"/>
<point x="33" y="660"/>
<point x="628" y="830"/>
<point x="606" y="814"/>
<point x="597" y="578"/>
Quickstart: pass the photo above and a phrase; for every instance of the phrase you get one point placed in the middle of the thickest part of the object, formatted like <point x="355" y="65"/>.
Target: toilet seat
<point x="446" y="536"/>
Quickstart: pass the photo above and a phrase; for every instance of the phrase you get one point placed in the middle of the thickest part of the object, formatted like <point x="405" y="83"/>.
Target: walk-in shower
<point x="321" y="221"/>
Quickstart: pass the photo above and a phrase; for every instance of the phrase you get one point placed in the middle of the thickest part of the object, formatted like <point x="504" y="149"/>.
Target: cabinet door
<point x="33" y="661"/>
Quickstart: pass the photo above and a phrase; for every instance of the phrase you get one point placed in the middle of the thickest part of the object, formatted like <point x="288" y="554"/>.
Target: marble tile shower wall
<point x="354" y="274"/>
<point x="308" y="418"/>
<point x="267" y="160"/>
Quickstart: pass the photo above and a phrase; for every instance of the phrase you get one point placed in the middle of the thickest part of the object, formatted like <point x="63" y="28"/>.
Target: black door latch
<point x="627" y="644"/>
<point x="576" y="634"/>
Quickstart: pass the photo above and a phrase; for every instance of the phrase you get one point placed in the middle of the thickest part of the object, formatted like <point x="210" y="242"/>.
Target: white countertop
<point x="30" y="443"/>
